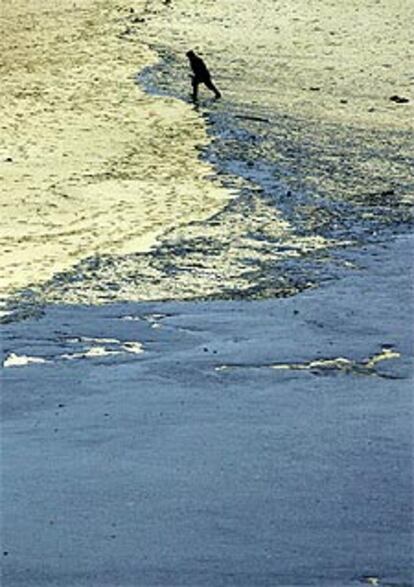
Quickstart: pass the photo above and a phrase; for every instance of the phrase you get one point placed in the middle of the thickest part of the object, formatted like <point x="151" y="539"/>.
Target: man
<point x="201" y="75"/>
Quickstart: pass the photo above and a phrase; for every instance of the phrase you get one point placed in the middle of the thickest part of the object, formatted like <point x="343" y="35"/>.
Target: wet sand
<point x="215" y="444"/>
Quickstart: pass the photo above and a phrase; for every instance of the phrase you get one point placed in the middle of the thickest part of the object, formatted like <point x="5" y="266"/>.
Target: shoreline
<point x="221" y="443"/>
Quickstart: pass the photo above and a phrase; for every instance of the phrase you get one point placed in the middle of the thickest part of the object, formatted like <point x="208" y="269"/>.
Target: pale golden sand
<point x="88" y="162"/>
<point x="98" y="167"/>
<point x="276" y="53"/>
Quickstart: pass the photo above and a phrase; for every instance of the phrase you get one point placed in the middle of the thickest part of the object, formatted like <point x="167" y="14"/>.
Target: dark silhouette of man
<point x="201" y="75"/>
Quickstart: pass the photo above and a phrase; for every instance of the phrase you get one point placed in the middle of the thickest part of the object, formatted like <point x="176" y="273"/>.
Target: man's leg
<point x="195" y="83"/>
<point x="213" y="88"/>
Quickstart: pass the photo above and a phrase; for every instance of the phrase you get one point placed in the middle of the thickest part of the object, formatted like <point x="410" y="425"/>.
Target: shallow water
<point x="217" y="443"/>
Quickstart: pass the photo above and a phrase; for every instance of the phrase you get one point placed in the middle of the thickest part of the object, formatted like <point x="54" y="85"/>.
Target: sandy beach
<point x="89" y="163"/>
<point x="206" y="309"/>
<point x="314" y="59"/>
<point x="95" y="170"/>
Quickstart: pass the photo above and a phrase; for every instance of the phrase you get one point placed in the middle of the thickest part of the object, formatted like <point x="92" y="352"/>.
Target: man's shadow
<point x="197" y="104"/>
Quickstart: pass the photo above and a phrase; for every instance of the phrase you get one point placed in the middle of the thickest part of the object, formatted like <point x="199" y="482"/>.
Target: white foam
<point x="156" y="316"/>
<point x="93" y="352"/>
<point x="133" y="318"/>
<point x="14" y="360"/>
<point x="133" y="347"/>
<point x="5" y="313"/>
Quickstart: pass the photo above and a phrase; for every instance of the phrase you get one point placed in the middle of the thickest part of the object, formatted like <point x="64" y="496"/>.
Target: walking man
<point x="201" y="75"/>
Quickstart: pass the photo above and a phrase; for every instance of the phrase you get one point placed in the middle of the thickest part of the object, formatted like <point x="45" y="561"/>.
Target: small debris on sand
<point x="399" y="99"/>
<point x="255" y="118"/>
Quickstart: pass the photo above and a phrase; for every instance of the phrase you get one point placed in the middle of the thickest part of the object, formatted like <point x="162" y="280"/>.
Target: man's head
<point x="190" y="54"/>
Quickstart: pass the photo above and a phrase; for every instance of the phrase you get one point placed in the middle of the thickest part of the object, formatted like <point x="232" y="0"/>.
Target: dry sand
<point x="88" y="162"/>
<point x="304" y="57"/>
